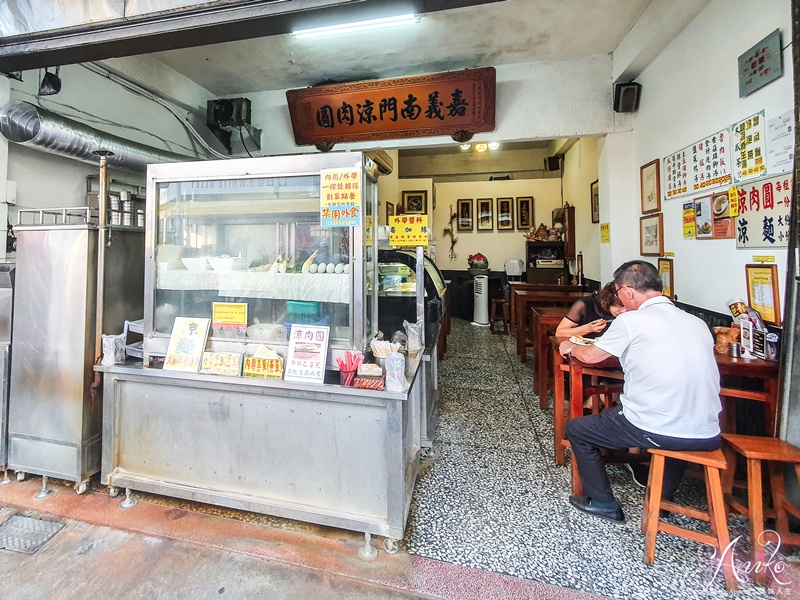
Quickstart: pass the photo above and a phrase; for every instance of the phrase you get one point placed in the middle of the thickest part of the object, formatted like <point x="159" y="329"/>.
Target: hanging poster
<point x="308" y="352"/>
<point x="340" y="197"/>
<point x="186" y="344"/>
<point x="780" y="144"/>
<point x="689" y="220"/>
<point x="701" y="165"/>
<point x="408" y="230"/>
<point x="749" y="148"/>
<point x="764" y="208"/>
<point x="713" y="218"/>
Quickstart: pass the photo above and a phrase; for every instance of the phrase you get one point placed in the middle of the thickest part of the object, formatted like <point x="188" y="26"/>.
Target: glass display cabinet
<point x="220" y="233"/>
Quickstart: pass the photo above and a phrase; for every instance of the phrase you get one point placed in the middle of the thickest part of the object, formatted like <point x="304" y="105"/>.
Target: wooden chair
<point x="714" y="464"/>
<point x="502" y="304"/>
<point x="776" y="452"/>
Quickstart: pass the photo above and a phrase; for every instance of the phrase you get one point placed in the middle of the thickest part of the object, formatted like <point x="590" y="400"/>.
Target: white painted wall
<point x="688" y="92"/>
<point x="580" y="170"/>
<point x="497" y="246"/>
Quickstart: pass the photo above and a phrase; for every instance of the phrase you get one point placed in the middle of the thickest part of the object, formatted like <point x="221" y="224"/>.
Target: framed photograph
<point x="651" y="235"/>
<point x="505" y="214"/>
<point x="465" y="220"/>
<point x="762" y="292"/>
<point x="595" y="195"/>
<point x="650" y="179"/>
<point x="665" y="271"/>
<point x="524" y="212"/>
<point x="485" y="215"/>
<point x="415" y="203"/>
<point x="389" y="211"/>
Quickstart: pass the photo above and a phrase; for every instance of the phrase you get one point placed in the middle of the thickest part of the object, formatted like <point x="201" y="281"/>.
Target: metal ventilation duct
<point x="32" y="126"/>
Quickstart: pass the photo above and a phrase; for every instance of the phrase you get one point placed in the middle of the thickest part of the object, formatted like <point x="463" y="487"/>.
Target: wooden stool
<point x="776" y="452"/>
<point x="503" y="304"/>
<point x="713" y="463"/>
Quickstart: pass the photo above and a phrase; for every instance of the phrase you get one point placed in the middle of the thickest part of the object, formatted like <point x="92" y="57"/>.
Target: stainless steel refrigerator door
<point x="54" y="418"/>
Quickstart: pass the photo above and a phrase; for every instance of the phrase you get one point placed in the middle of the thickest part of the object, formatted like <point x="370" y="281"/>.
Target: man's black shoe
<point x="584" y="504"/>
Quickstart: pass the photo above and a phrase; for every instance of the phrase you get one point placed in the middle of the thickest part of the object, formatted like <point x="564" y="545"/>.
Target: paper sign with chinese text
<point x="764" y="208"/>
<point x="749" y="148"/>
<point x="605" y="233"/>
<point x="699" y="166"/>
<point x="186" y="344"/>
<point x="263" y="368"/>
<point x="408" y="230"/>
<point x="229" y="319"/>
<point x="308" y="352"/>
<point x="221" y="363"/>
<point x="689" y="220"/>
<point x="780" y="143"/>
<point x="340" y="197"/>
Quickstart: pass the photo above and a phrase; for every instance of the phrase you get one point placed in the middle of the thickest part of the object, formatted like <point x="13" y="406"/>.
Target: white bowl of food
<point x="720" y="205"/>
<point x="229" y="263"/>
<point x="196" y="264"/>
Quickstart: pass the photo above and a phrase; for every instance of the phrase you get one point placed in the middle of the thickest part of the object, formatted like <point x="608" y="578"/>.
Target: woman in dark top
<point x="590" y="316"/>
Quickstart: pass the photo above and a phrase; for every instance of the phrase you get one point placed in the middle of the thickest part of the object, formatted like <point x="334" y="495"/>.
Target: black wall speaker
<point x="552" y="163"/>
<point x="626" y="97"/>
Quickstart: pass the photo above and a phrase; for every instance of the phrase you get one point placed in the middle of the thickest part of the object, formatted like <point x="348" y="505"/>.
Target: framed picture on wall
<point x="464" y="222"/>
<point x="524" y="212"/>
<point x="762" y="291"/>
<point x="651" y="235"/>
<point x="485" y="214"/>
<point x="416" y="202"/>
<point x="665" y="271"/>
<point x="650" y="181"/>
<point x="389" y="211"/>
<point x="595" y="196"/>
<point x="505" y="213"/>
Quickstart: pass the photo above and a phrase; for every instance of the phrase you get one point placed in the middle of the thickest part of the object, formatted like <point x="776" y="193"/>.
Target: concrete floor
<point x="157" y="551"/>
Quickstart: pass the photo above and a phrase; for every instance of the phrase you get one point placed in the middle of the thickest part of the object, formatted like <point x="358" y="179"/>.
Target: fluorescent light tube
<point x="368" y="25"/>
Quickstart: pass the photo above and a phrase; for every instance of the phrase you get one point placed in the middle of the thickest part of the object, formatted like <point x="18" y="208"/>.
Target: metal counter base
<point x="330" y="455"/>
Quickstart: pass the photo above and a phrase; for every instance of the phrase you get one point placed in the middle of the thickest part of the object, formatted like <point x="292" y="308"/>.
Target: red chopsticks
<point x="349" y="366"/>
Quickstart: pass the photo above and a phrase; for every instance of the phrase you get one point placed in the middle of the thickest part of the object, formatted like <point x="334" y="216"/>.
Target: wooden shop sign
<point x="440" y="104"/>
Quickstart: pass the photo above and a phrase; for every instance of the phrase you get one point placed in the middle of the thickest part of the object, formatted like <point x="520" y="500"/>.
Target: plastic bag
<point x="414" y="333"/>
<point x="113" y="350"/>
<point x="396" y="372"/>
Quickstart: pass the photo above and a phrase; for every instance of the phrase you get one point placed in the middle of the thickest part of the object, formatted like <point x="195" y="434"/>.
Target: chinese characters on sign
<point x="408" y="230"/>
<point x="340" y="198"/>
<point x="702" y="165"/>
<point x="229" y="319"/>
<point x="439" y="104"/>
<point x="764" y="208"/>
<point x="780" y="143"/>
<point x="308" y="352"/>
<point x="186" y="344"/>
<point x="689" y="220"/>
<point x="264" y="368"/>
<point x="749" y="148"/>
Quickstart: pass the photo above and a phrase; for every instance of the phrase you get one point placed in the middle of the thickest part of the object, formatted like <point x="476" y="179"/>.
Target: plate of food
<point x="720" y="205"/>
<point x="705" y="228"/>
<point x="581" y="341"/>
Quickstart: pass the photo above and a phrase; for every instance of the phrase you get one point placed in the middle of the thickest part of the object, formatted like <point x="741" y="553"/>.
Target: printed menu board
<point x="749" y="148"/>
<point x="701" y="165"/>
<point x="408" y="230"/>
<point x="713" y="218"/>
<point x="764" y="208"/>
<point x="186" y="344"/>
<point x="308" y="353"/>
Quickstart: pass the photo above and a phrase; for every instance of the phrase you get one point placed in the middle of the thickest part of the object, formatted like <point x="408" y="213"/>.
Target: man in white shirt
<point x="670" y="398"/>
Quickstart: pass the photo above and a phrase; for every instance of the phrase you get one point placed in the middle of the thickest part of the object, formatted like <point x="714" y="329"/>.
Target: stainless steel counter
<point x="325" y="454"/>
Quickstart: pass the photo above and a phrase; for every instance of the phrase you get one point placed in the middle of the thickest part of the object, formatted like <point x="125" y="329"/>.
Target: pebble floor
<point x="492" y="498"/>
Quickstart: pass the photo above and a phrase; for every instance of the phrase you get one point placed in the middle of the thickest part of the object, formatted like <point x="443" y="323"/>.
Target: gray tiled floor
<point x="492" y="497"/>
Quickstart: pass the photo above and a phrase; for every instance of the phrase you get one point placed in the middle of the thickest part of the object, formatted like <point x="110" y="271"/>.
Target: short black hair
<point x="639" y="275"/>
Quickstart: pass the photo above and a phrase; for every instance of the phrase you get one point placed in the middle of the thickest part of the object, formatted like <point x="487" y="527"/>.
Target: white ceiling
<point x="500" y="33"/>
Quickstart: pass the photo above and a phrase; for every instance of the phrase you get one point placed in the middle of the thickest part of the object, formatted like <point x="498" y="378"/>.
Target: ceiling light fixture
<point x="494" y="145"/>
<point x="465" y="146"/>
<point x="481" y="147"/>
<point x="367" y="25"/>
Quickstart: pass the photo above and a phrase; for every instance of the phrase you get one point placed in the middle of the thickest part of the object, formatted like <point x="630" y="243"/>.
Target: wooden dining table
<point x="537" y="287"/>
<point x="745" y="368"/>
<point x="525" y="298"/>
<point x="544" y="321"/>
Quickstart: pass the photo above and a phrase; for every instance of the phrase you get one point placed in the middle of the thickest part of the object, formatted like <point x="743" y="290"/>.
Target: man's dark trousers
<point x="610" y="430"/>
